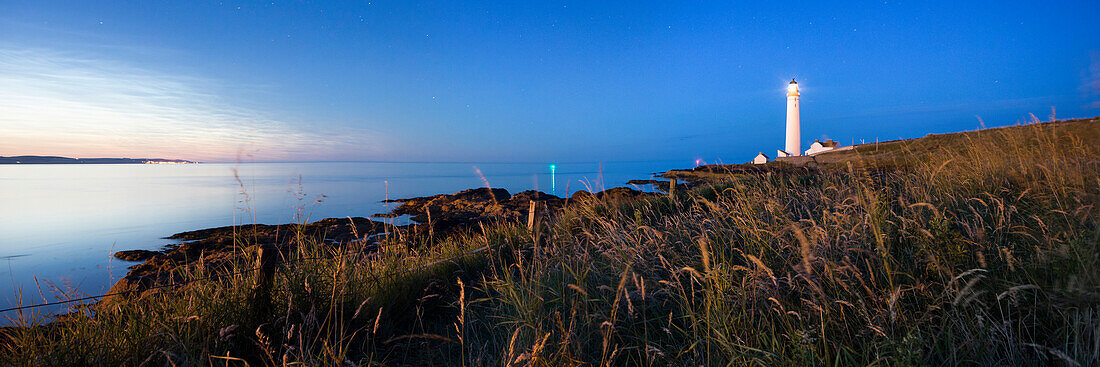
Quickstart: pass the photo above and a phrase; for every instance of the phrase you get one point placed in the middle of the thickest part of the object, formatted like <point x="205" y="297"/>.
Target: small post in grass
<point x="531" y="216"/>
<point x="265" y="274"/>
<point x="672" y="188"/>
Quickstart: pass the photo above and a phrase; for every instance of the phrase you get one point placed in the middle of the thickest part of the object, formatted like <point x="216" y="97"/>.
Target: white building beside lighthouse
<point x="821" y="146"/>
<point x="760" y="158"/>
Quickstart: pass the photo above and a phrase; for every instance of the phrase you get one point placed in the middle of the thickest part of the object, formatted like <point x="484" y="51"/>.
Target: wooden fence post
<point x="672" y="188"/>
<point x="531" y="216"/>
<point x="265" y="274"/>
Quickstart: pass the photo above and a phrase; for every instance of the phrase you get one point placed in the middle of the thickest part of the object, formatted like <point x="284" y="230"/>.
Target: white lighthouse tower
<point x="794" y="125"/>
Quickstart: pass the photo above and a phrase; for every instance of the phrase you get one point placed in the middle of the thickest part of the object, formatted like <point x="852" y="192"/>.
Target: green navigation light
<point x="553" y="179"/>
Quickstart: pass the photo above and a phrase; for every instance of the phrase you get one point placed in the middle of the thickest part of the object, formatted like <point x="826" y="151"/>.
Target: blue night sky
<point x="525" y="81"/>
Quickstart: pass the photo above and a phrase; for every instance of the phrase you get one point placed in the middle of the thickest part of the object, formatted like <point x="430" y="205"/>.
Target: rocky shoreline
<point x="436" y="215"/>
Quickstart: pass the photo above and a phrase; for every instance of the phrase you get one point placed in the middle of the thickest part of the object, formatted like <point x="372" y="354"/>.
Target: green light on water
<point x="553" y="179"/>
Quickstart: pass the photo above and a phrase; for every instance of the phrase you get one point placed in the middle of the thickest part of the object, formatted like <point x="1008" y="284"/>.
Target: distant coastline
<point x="35" y="159"/>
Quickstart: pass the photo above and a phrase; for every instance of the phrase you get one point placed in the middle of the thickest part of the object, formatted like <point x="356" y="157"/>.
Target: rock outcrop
<point x="447" y="211"/>
<point x="219" y="248"/>
<point x="136" y="255"/>
<point x="230" y="247"/>
<point x="617" y="193"/>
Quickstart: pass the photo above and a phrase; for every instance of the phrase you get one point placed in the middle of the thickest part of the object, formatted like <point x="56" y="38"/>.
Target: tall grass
<point x="979" y="249"/>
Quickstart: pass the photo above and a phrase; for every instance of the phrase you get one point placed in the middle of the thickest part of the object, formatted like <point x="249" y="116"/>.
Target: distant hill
<point x="35" y="159"/>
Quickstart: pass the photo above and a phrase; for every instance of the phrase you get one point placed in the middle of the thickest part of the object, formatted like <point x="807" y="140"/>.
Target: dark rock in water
<point x="464" y="206"/>
<point x="521" y="201"/>
<point x="481" y="193"/>
<point x="530" y="195"/>
<point x="657" y="184"/>
<point x="448" y="211"/>
<point x="620" y="193"/>
<point x="136" y="255"/>
<point x="334" y="229"/>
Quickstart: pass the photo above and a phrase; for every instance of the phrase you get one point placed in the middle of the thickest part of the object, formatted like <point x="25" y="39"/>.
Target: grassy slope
<point x="972" y="248"/>
<point x="907" y="151"/>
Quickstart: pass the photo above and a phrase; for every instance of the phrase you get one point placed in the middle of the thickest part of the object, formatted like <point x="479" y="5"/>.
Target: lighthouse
<point x="794" y="126"/>
<point x="792" y="151"/>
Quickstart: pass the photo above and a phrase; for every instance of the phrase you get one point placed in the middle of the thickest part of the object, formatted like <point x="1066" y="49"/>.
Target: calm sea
<point x="60" y="224"/>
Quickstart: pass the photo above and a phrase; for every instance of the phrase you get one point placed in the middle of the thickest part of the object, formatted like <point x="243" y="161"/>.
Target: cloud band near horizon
<point x="53" y="103"/>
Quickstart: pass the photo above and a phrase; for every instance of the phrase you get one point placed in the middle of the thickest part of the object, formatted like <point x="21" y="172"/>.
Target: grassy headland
<point x="977" y="248"/>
